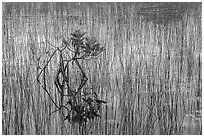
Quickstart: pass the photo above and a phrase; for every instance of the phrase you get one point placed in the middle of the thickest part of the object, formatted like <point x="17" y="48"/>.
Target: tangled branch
<point x="79" y="108"/>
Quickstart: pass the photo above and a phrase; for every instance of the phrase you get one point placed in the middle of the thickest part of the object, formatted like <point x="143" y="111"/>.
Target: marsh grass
<point x="150" y="75"/>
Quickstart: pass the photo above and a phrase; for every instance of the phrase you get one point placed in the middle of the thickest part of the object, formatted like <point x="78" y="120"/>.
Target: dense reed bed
<point x="150" y="75"/>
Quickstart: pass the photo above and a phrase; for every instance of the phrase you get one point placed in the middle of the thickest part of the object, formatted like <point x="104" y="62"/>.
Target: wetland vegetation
<point x="149" y="74"/>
